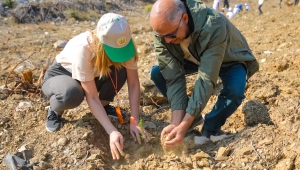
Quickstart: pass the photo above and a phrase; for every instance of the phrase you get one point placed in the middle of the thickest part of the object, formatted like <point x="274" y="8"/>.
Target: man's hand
<point x="176" y="132"/>
<point x="116" y="144"/>
<point x="166" y="130"/>
<point x="175" y="137"/>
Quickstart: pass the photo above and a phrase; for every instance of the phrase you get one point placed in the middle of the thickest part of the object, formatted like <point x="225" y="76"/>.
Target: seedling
<point x="141" y="125"/>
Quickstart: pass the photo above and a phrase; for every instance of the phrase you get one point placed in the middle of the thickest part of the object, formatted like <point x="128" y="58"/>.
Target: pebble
<point x="62" y="141"/>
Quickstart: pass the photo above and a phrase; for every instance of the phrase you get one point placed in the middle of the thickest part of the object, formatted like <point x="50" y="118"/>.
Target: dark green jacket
<point x="214" y="41"/>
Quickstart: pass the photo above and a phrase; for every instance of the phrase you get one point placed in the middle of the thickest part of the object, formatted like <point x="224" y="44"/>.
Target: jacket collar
<point x="197" y="11"/>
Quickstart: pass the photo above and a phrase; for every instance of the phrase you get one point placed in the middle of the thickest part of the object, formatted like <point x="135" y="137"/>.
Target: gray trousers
<point x="65" y="92"/>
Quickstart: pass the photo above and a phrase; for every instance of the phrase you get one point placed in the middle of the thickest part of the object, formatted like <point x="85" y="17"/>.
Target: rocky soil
<point x="263" y="133"/>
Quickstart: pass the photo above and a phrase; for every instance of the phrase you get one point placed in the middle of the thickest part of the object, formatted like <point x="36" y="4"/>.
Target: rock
<point x="189" y="162"/>
<point x="22" y="148"/>
<point x="203" y="163"/>
<point x="149" y="125"/>
<point x="85" y="135"/>
<point x="62" y="141"/>
<point x="221" y="158"/>
<point x="44" y="165"/>
<point x="206" y="168"/>
<point x="265" y="142"/>
<point x="223" y="151"/>
<point x="268" y="52"/>
<point x="195" y="165"/>
<point x="255" y="112"/>
<point x="36" y="168"/>
<point x="223" y="165"/>
<point x="282" y="45"/>
<point x="53" y="145"/>
<point x="286" y="164"/>
<point x="200" y="155"/>
<point x="22" y="106"/>
<point x="246" y="150"/>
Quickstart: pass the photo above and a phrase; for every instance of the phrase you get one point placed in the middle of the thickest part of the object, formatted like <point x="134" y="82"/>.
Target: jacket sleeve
<point x="214" y="42"/>
<point x="174" y="75"/>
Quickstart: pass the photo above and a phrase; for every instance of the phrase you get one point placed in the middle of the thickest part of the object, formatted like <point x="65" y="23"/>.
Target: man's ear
<point x="185" y="18"/>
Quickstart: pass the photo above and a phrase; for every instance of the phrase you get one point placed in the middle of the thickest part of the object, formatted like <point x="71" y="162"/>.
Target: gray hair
<point x="177" y="11"/>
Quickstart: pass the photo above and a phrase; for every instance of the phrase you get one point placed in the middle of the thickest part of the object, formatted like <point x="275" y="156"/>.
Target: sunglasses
<point x="173" y="33"/>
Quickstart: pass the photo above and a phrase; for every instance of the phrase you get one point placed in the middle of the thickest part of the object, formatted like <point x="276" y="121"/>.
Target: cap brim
<point x="120" y="54"/>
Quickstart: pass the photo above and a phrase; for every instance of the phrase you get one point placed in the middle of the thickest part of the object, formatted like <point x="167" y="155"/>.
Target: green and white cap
<point x="115" y="34"/>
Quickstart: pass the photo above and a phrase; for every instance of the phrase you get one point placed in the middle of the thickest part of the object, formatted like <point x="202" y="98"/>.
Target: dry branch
<point x="5" y="85"/>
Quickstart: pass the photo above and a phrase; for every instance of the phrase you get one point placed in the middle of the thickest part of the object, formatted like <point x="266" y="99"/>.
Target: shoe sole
<point x="54" y="130"/>
<point x="198" y="120"/>
<point x="115" y="117"/>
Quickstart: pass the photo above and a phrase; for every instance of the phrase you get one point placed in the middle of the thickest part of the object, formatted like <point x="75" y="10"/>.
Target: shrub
<point x="10" y="3"/>
<point x="148" y="7"/>
<point x="81" y="15"/>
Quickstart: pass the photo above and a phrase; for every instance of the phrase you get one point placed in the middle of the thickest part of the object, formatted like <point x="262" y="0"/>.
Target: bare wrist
<point x="133" y="120"/>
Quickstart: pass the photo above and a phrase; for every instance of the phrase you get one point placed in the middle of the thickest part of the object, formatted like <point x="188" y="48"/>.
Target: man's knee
<point x="237" y="95"/>
<point x="155" y="73"/>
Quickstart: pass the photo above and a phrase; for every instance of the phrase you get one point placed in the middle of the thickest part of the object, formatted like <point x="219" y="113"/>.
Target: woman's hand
<point x="138" y="132"/>
<point x="116" y="144"/>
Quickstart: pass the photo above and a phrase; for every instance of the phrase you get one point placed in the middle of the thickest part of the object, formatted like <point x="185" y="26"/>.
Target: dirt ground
<point x="263" y="133"/>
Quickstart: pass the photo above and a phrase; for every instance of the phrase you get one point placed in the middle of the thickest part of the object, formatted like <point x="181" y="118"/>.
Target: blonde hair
<point x="101" y="60"/>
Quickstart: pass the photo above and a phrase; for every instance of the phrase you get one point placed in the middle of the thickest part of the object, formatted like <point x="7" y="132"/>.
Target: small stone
<point x="203" y="163"/>
<point x="53" y="145"/>
<point x="195" y="165"/>
<point x="85" y="135"/>
<point x="200" y="155"/>
<point x="223" y="151"/>
<point x="62" y="141"/>
<point x="44" y="165"/>
<point x="265" y="142"/>
<point x="246" y="160"/>
<point x="36" y="168"/>
<point x="149" y="125"/>
<point x="221" y="158"/>
<point x="223" y="165"/>
<point x="22" y="148"/>
<point x="189" y="162"/>
<point x="246" y="150"/>
<point x="286" y="164"/>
